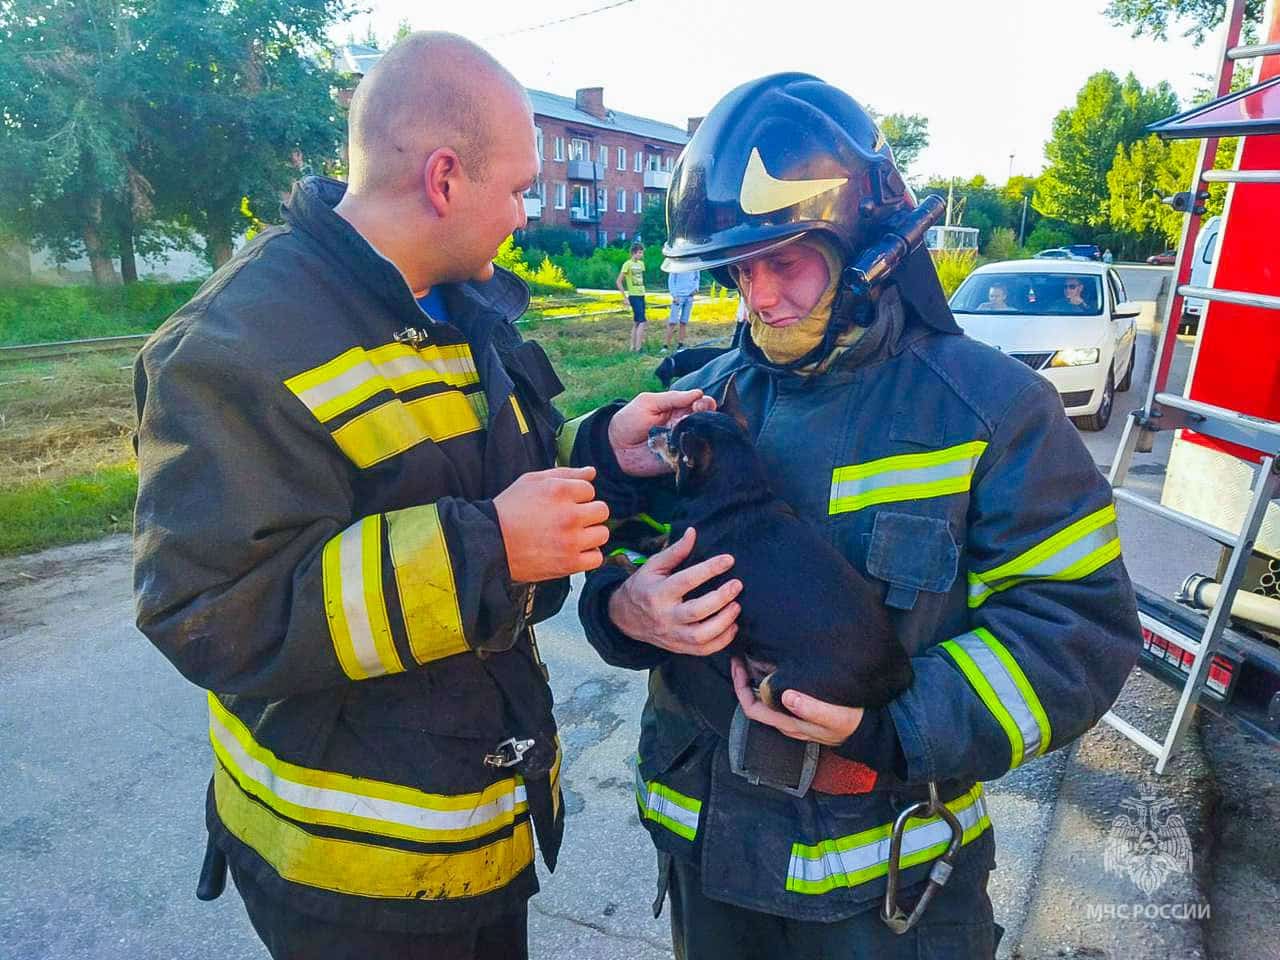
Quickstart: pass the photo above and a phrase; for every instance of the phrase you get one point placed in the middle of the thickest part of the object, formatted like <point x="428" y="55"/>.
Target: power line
<point x="552" y="23"/>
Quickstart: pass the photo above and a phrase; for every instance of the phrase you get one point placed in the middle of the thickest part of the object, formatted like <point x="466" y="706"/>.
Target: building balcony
<point x="533" y="207"/>
<point x="585" y="170"/>
<point x="587" y="214"/>
<point x="657" y="179"/>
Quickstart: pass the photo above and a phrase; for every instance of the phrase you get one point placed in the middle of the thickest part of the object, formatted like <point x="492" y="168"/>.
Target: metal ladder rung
<point x="1232" y="426"/>
<point x="1173" y="516"/>
<point x="1239" y="297"/>
<point x="1153" y="747"/>
<point x="1250" y="51"/>
<point x="1241" y="176"/>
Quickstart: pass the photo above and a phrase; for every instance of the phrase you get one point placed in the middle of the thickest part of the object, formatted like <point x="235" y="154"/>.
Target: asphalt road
<point x="105" y="762"/>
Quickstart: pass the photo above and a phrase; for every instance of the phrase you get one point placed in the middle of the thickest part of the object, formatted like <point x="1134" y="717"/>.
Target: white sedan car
<point x="1071" y="322"/>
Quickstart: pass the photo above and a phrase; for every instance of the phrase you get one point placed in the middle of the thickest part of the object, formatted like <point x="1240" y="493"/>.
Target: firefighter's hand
<point x="816" y="720"/>
<point x="651" y="606"/>
<point x="552" y="524"/>
<point x="630" y="426"/>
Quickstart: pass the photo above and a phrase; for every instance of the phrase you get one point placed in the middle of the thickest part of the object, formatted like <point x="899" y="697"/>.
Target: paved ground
<point x="105" y="762"/>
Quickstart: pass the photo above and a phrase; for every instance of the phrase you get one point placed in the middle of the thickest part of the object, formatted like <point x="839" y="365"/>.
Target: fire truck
<point x="1218" y="640"/>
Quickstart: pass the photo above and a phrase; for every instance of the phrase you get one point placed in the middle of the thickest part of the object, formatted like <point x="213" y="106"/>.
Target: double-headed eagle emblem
<point x="1149" y="846"/>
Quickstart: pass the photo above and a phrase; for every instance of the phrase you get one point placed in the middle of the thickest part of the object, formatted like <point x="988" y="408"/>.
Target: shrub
<point x="953" y="266"/>
<point x="34" y="314"/>
<point x="1048" y="234"/>
<point x="548" y="278"/>
<point x="1002" y="245"/>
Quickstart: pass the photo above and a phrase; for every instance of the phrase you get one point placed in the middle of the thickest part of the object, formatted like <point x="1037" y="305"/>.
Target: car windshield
<point x="1030" y="294"/>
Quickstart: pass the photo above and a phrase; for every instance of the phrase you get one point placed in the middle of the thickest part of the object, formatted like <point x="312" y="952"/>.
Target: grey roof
<point x="360" y="59"/>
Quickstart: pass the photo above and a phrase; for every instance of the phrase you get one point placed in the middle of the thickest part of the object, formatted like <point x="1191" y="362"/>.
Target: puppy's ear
<point x="731" y="404"/>
<point x="695" y="455"/>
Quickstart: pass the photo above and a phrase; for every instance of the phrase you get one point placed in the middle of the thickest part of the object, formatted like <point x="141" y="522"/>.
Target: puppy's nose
<point x="656" y="432"/>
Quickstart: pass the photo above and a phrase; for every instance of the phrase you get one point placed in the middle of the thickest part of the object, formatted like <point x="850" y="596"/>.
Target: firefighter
<point x="348" y="519"/>
<point x="941" y="469"/>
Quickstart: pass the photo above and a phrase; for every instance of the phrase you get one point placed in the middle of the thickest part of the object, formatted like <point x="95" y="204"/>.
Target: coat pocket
<point x="911" y="553"/>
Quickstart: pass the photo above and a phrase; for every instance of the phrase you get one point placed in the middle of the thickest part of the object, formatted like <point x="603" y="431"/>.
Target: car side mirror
<point x="1125" y="310"/>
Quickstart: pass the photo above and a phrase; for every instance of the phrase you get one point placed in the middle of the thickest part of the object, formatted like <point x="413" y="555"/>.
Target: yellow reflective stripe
<point x="907" y="476"/>
<point x="996" y="677"/>
<point x="566" y="438"/>
<point x="856" y="859"/>
<point x="365" y="869"/>
<point x="354" y="604"/>
<point x="395" y="426"/>
<point x="354" y="803"/>
<point x="348" y="380"/>
<point x="425" y="583"/>
<point x="520" y="420"/>
<point x="1070" y="554"/>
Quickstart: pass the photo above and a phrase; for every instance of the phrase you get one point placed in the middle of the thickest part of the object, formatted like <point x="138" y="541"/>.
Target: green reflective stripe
<point x="667" y="807"/>
<point x="1070" y="554"/>
<point x="566" y="438"/>
<point x="861" y="857"/>
<point x="996" y="677"/>
<point x="657" y="525"/>
<point x="907" y="476"/>
<point x="636" y="558"/>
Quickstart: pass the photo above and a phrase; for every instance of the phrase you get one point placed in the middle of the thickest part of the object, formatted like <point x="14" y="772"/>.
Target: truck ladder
<point x="1166" y="411"/>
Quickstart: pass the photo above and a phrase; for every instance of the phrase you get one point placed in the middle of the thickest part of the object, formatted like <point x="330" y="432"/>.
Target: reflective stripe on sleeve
<point x="354" y="604"/>
<point x="908" y="476"/>
<point x="667" y="807"/>
<point x="521" y="422"/>
<point x="1070" y="554"/>
<point x="996" y="677"/>
<point x="425" y="583"/>
<point x="395" y="426"/>
<point x="862" y="857"/>
<point x="356" y="803"/>
<point x="346" y="381"/>
<point x="566" y="438"/>
<point x="366" y="869"/>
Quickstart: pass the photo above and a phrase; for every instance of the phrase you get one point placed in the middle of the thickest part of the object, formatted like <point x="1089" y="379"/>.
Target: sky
<point x="990" y="75"/>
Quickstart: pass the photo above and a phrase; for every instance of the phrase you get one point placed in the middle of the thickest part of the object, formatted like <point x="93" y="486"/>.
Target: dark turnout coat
<point x="948" y="474"/>
<point x="316" y="545"/>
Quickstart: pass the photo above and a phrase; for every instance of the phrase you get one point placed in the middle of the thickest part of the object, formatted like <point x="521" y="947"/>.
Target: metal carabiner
<point x="891" y="913"/>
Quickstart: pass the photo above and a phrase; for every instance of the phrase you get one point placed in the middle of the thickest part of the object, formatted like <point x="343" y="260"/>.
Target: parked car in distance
<point x="1072" y="323"/>
<point x="1164" y="259"/>
<point x="1201" y="268"/>
<point x="1057" y="253"/>
<point x="1086" y="251"/>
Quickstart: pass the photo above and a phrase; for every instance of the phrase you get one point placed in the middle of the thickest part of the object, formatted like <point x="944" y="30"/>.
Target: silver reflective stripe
<point x="355" y="598"/>
<point x="497" y="811"/>
<point x="957" y="469"/>
<point x="1056" y="565"/>
<point x="864" y="857"/>
<point x="1006" y="689"/>
<point x="667" y="807"/>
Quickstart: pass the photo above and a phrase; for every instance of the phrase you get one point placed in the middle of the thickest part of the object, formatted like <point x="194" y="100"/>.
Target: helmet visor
<point x="723" y="257"/>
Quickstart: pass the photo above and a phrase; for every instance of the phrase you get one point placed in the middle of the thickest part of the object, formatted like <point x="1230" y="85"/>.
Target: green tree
<point x="403" y="29"/>
<point x="1108" y="113"/>
<point x="1151" y="18"/>
<point x="653" y="222"/>
<point x="1140" y="177"/>
<point x="908" y="135"/>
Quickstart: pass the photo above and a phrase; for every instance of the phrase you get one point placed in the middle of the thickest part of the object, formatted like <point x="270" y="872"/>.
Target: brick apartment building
<point x="600" y="167"/>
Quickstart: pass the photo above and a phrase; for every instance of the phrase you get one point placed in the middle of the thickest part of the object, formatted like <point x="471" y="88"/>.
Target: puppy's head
<point x="704" y="445"/>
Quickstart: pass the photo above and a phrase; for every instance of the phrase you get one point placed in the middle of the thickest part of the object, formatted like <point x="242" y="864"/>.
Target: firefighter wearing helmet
<point x="943" y="471"/>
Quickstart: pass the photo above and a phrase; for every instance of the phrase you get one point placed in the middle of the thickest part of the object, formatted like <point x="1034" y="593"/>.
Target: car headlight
<point x="1080" y="357"/>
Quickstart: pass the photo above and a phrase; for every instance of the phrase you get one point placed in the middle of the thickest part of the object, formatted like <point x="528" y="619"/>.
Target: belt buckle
<point x="508" y="753"/>
<point x="739" y="763"/>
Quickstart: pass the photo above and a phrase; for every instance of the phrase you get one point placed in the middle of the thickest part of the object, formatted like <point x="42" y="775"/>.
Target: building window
<point x="671" y="162"/>
<point x="582" y="198"/>
<point x="559" y="149"/>
<point x="603" y="156"/>
<point x="579" y="149"/>
<point x="559" y="196"/>
<point x="622" y="158"/>
<point x="653" y="162"/>
<point x="602" y="200"/>
<point x="639" y="164"/>
<point x="537" y="132"/>
<point x="639" y="201"/>
<point x="622" y="201"/>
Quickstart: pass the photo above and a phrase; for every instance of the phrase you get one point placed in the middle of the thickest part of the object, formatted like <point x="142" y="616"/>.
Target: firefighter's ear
<point x="731" y="404"/>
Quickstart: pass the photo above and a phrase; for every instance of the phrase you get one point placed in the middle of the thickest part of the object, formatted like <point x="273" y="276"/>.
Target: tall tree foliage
<point x="908" y="135"/>
<point x="1108" y="113"/>
<point x="1153" y="17"/>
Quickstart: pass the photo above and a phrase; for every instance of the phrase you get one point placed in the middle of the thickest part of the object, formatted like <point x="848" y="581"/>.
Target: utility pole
<point x="1022" y="229"/>
<point x="950" y="196"/>
<point x="1010" y="176"/>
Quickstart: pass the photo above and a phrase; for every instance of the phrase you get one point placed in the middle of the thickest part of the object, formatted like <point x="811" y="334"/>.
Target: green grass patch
<point x="41" y="514"/>
<point x="35" y="314"/>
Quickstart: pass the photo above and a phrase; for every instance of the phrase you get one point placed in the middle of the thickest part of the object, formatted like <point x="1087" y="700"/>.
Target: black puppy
<point x="813" y="622"/>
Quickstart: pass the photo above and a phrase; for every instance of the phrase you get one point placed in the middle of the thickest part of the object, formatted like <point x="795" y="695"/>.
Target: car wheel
<point x="1098" y="421"/>
<point x="1127" y="381"/>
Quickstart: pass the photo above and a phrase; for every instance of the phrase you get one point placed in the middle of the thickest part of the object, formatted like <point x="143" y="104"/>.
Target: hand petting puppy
<point x="630" y="426"/>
